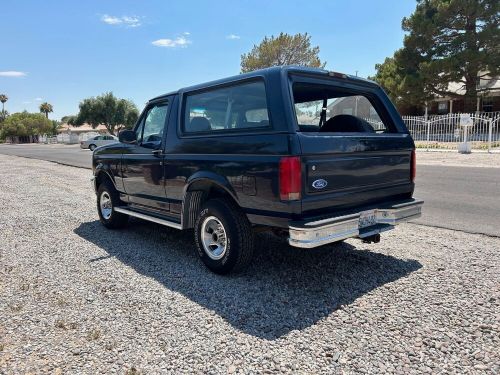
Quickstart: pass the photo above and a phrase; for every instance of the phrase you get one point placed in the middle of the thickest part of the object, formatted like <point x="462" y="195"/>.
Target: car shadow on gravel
<point x="284" y="289"/>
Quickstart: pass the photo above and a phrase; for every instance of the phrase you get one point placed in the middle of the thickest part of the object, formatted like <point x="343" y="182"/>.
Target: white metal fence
<point x="445" y="132"/>
<point x="67" y="138"/>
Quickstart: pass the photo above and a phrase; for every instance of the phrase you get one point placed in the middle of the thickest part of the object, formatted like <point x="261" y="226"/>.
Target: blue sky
<point x="64" y="51"/>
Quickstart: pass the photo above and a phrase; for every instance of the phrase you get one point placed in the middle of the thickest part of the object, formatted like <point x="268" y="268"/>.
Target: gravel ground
<point x="454" y="159"/>
<point x="76" y="298"/>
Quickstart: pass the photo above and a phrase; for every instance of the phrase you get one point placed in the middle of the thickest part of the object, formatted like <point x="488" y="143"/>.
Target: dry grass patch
<point x="133" y="371"/>
<point x="94" y="334"/>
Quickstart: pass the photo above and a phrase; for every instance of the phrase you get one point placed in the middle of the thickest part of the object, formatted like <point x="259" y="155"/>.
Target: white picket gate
<point x="445" y="132"/>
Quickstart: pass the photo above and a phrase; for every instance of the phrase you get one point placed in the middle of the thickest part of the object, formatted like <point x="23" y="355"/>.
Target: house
<point x="74" y="134"/>
<point x="351" y="105"/>
<point x="488" y="99"/>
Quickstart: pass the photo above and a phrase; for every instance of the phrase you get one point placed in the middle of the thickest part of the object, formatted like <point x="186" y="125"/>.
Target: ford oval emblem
<point x="319" y="184"/>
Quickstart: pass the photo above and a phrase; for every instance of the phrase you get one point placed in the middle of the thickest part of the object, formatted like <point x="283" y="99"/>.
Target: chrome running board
<point x="148" y="218"/>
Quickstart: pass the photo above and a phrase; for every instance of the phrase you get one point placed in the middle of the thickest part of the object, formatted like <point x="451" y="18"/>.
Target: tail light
<point x="290" y="178"/>
<point x="413" y="167"/>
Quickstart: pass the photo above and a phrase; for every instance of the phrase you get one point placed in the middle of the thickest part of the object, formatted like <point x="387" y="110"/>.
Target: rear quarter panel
<point x="247" y="164"/>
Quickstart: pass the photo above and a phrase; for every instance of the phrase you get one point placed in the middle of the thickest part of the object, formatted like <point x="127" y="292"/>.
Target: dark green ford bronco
<point x="312" y="155"/>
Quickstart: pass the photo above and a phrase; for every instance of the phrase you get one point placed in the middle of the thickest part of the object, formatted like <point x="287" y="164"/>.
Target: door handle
<point x="157" y="153"/>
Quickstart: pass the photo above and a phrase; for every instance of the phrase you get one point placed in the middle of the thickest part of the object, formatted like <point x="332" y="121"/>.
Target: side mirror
<point x="127" y="136"/>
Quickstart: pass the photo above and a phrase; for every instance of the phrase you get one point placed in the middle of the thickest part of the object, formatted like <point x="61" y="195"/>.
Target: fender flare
<point x="194" y="190"/>
<point x="203" y="179"/>
<point x="101" y="170"/>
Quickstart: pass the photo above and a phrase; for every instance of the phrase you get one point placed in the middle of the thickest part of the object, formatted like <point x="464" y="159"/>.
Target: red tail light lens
<point x="290" y="178"/>
<point x="413" y="168"/>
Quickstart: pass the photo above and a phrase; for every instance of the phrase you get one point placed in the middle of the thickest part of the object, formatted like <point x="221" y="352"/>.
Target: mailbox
<point x="466" y="123"/>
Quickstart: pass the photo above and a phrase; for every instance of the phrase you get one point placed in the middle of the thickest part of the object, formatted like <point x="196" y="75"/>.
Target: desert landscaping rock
<point x="76" y="298"/>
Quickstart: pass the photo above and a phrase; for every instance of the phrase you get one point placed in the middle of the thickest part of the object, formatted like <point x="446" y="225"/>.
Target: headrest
<point x="199" y="124"/>
<point x="347" y="124"/>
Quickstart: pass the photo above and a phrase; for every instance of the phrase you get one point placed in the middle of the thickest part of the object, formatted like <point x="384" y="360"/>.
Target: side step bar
<point x="148" y="218"/>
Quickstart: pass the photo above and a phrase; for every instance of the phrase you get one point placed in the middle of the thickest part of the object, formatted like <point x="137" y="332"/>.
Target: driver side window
<point x="150" y="132"/>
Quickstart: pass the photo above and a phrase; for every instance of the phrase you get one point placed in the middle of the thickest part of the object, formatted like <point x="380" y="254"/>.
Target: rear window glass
<point x="326" y="109"/>
<point x="238" y="107"/>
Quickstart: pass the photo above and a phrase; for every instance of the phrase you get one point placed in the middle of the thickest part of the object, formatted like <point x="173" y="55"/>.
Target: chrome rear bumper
<point x="324" y="231"/>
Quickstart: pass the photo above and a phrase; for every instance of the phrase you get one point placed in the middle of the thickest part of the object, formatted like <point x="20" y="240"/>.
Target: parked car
<point x="312" y="155"/>
<point x="98" y="140"/>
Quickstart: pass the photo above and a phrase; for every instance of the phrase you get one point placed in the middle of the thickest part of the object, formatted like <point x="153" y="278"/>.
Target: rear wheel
<point x="223" y="236"/>
<point x="107" y="199"/>
<point x="92" y="147"/>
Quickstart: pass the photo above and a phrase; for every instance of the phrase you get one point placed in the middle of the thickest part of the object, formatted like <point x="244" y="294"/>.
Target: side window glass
<point x="257" y="117"/>
<point x="138" y="132"/>
<point x="328" y="110"/>
<point x="150" y="132"/>
<point x="236" y="107"/>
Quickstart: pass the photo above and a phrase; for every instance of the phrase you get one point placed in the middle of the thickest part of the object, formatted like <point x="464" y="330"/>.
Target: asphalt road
<point x="460" y="198"/>
<point x="65" y="154"/>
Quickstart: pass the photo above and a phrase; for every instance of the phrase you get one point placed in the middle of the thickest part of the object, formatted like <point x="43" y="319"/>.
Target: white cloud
<point x="38" y="99"/>
<point x="232" y="37"/>
<point x="180" y="41"/>
<point x="12" y="73"/>
<point x="128" y="21"/>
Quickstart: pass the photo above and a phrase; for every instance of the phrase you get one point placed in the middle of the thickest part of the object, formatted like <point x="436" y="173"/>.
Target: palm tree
<point x="46" y="108"/>
<point x="3" y="99"/>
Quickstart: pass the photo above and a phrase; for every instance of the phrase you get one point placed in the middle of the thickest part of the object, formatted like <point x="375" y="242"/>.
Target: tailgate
<point x="350" y="171"/>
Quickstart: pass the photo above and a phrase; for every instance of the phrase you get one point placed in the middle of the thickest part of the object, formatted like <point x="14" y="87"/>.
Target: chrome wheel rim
<point x="106" y="205"/>
<point x="213" y="238"/>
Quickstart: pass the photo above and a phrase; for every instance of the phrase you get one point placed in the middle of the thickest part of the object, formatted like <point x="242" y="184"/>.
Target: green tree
<point x="3" y="99"/>
<point x="284" y="49"/>
<point x="25" y="126"/>
<point x="401" y="79"/>
<point x="107" y="110"/>
<point x="452" y="41"/>
<point x="3" y="115"/>
<point x="46" y="108"/>
<point x="55" y="126"/>
<point x="69" y="119"/>
<point x="389" y="78"/>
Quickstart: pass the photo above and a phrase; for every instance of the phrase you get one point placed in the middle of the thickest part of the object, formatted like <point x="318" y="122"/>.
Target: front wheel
<point x="223" y="237"/>
<point x="107" y="199"/>
<point x="92" y="147"/>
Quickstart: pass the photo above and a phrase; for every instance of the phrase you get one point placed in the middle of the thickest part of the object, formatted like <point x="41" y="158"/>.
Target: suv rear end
<point x="355" y="173"/>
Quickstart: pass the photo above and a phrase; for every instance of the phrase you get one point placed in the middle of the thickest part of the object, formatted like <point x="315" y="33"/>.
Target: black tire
<point x="92" y="147"/>
<point x="238" y="236"/>
<point x="115" y="220"/>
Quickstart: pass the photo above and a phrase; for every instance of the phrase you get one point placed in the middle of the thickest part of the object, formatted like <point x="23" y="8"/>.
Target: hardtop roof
<point x="285" y="69"/>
